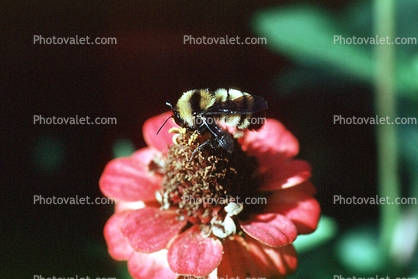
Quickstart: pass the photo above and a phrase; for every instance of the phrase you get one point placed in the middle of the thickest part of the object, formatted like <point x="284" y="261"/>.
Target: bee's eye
<point x="179" y="121"/>
<point x="176" y="115"/>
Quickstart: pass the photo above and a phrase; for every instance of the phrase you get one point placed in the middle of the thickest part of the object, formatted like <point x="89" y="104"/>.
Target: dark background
<point x="131" y="81"/>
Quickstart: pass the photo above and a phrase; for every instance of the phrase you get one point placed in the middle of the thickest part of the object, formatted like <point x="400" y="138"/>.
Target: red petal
<point x="279" y="262"/>
<point x="128" y="178"/>
<point x="305" y="187"/>
<point x="164" y="138"/>
<point x="150" y="229"/>
<point x="272" y="229"/>
<point x="302" y="209"/>
<point x="192" y="253"/>
<point x="271" y="138"/>
<point x="269" y="161"/>
<point x="150" y="266"/>
<point x="118" y="247"/>
<point x="231" y="267"/>
<point x="285" y="175"/>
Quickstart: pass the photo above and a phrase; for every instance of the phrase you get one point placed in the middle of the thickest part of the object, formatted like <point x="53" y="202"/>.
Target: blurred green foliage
<point x="306" y="34"/>
<point x="48" y="153"/>
<point x="310" y="37"/>
<point x="123" y="148"/>
<point x="326" y="230"/>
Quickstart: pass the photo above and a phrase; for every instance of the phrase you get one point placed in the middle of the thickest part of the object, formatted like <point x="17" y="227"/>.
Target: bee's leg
<point x="201" y="147"/>
<point x="221" y="137"/>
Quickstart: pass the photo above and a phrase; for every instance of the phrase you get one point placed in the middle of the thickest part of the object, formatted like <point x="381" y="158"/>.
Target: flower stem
<point x="384" y="12"/>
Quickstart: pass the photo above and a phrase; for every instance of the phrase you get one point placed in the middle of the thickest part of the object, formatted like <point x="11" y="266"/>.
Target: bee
<point x="200" y="110"/>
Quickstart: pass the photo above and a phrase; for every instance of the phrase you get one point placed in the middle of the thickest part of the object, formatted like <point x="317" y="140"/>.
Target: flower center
<point x="209" y="186"/>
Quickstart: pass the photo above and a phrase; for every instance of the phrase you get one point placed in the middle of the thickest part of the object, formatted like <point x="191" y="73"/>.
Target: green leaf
<point x="326" y="230"/>
<point x="123" y="148"/>
<point x="313" y="37"/>
<point x="307" y="34"/>
<point x="358" y="250"/>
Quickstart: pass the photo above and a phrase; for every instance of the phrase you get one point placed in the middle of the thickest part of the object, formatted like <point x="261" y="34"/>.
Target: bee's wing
<point x="241" y="105"/>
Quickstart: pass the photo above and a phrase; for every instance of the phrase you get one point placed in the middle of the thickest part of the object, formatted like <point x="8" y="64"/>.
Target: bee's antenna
<point x="168" y="104"/>
<point x="164" y="123"/>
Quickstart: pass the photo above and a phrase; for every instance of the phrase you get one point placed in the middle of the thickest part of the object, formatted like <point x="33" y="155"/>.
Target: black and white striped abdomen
<point x="239" y="107"/>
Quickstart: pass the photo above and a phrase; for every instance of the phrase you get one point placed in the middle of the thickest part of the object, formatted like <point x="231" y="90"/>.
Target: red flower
<point x="162" y="239"/>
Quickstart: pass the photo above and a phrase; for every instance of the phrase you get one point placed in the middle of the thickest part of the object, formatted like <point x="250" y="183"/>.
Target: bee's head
<point x="176" y="116"/>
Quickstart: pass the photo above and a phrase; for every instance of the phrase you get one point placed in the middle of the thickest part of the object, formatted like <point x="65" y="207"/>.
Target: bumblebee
<point x="200" y="110"/>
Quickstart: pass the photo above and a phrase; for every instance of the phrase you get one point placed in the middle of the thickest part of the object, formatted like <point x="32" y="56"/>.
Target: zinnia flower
<point x="216" y="215"/>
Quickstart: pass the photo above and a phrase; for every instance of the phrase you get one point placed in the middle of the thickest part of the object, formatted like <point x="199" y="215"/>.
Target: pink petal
<point x="128" y="178"/>
<point x="144" y="155"/>
<point x="285" y="175"/>
<point x="194" y="254"/>
<point x="234" y="266"/>
<point x="123" y="206"/>
<point x="150" y="266"/>
<point x="302" y="209"/>
<point x="164" y="138"/>
<point x="278" y="262"/>
<point x="271" y="138"/>
<point x="272" y="229"/>
<point x="118" y="247"/>
<point x="150" y="229"/>
<point x="212" y="275"/>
